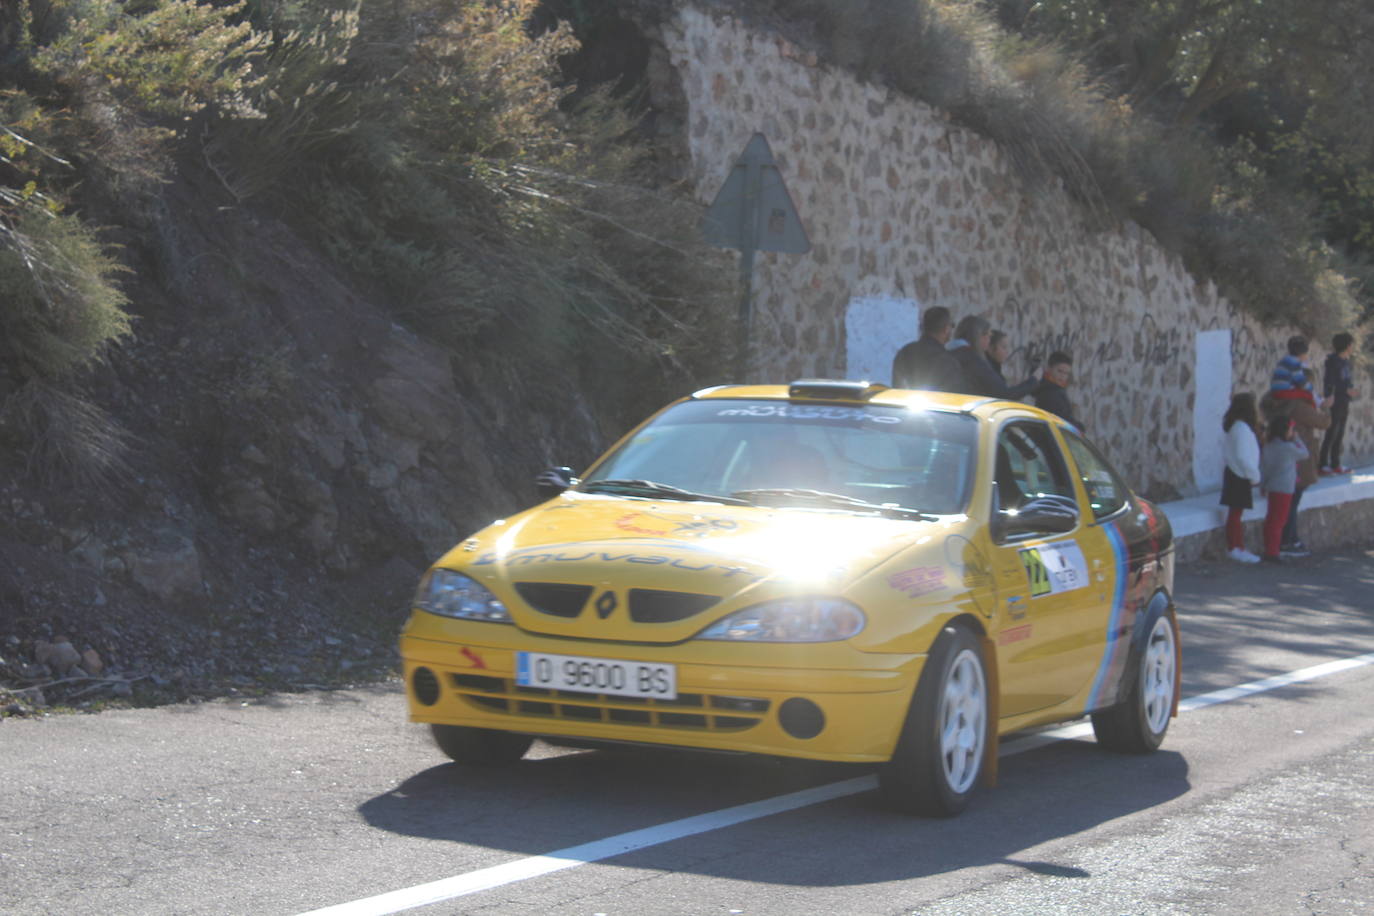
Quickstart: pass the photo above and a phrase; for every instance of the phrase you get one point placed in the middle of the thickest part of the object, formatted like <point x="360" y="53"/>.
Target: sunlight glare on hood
<point x="807" y="554"/>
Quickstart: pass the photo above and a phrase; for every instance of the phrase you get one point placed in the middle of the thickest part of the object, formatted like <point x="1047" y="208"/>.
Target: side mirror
<point x="1052" y="518"/>
<point x="553" y="481"/>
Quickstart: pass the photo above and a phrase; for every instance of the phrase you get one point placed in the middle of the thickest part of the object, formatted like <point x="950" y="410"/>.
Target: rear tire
<point x="1137" y="724"/>
<point x="480" y="747"/>
<point x="939" y="755"/>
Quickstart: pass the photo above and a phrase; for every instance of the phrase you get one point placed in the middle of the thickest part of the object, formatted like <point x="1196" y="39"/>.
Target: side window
<point x="1106" y="492"/>
<point x="1029" y="466"/>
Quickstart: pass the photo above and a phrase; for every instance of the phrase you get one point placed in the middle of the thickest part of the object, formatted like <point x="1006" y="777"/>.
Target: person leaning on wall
<point x="1340" y="389"/>
<point x="925" y="364"/>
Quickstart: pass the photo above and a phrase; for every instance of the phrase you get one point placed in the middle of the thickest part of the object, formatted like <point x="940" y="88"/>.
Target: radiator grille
<point x="558" y="599"/>
<point x="649" y="605"/>
<point x="689" y="711"/>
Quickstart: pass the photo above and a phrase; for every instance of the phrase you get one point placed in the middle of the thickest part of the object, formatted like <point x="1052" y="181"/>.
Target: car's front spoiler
<point x="720" y="706"/>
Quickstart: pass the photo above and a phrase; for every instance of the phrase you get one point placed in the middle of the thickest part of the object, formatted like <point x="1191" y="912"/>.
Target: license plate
<point x="596" y="675"/>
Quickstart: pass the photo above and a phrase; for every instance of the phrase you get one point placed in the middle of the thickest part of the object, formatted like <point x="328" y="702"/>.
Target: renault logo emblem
<point x="605" y="604"/>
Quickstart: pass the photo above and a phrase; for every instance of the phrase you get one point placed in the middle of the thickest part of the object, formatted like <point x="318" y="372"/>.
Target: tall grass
<point x="61" y="306"/>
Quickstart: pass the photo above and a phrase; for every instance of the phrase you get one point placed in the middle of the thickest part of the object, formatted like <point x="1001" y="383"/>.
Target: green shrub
<point x="168" y="58"/>
<point x="296" y="104"/>
<point x="433" y="151"/>
<point x="61" y="305"/>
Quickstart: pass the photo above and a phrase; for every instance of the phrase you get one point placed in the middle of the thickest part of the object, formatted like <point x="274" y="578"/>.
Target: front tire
<point x="480" y="747"/>
<point x="1137" y="724"/>
<point x="939" y="755"/>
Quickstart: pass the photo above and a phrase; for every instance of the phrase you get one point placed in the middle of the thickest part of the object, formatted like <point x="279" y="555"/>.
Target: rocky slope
<point x="293" y="460"/>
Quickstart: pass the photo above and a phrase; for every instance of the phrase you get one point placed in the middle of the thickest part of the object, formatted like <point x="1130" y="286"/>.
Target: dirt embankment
<point x="295" y="459"/>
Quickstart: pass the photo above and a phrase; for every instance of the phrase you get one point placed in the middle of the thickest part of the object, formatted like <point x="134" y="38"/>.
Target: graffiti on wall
<point x="1146" y="343"/>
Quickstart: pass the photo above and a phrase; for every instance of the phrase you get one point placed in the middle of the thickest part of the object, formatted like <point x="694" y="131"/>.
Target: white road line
<point x="521" y="869"/>
<point x="1271" y="683"/>
<point x="573" y="856"/>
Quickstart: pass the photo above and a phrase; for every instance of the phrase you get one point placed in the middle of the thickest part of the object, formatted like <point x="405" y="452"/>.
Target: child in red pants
<point x="1279" y="477"/>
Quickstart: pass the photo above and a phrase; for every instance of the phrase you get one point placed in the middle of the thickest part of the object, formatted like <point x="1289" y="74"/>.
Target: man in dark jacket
<point x="1051" y="393"/>
<point x="925" y="363"/>
<point x="972" y="342"/>
<point x="1338" y="387"/>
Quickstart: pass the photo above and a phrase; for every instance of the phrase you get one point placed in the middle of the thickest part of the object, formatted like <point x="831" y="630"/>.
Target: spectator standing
<point x="1338" y="386"/>
<point x="999" y="351"/>
<point x="1278" y="478"/>
<point x="1290" y="395"/>
<point x="971" y="339"/>
<point x="1051" y="393"/>
<point x="1241" y="450"/>
<point x="981" y="374"/>
<point x="925" y="363"/>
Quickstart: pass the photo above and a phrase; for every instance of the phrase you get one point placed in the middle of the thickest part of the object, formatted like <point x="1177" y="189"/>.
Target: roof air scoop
<point x="834" y="389"/>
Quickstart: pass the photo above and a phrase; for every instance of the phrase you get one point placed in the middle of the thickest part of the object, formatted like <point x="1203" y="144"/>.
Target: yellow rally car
<point x="829" y="570"/>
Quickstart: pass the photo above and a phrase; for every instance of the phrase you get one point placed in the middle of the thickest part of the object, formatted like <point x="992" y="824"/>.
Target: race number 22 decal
<point x="1054" y="568"/>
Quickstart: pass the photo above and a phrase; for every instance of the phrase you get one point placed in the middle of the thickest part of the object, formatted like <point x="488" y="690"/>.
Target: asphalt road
<point x="1258" y="803"/>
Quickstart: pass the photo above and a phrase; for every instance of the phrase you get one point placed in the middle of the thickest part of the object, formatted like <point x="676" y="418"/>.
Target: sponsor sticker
<point x="635" y="523"/>
<point x="1014" y="634"/>
<point x="919" y="581"/>
<point x="1054" y="568"/>
<point x="658" y="526"/>
<point x="808" y="412"/>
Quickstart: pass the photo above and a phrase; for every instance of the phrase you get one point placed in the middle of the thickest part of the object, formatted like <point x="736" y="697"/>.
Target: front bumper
<point x="731" y="697"/>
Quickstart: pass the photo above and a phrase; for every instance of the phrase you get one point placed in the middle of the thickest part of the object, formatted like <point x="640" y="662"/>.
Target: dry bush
<point x="297" y="105"/>
<point x="59" y="435"/>
<point x="444" y="162"/>
<point x="1336" y="308"/>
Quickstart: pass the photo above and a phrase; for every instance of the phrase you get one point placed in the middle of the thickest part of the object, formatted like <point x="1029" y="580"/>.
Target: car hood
<point x="659" y="571"/>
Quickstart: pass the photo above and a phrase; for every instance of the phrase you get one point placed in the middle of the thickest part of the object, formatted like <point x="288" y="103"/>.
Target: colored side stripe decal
<point x="1114" y="641"/>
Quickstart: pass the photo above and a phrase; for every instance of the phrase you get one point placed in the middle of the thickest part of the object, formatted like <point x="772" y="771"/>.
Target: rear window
<point x="919" y="459"/>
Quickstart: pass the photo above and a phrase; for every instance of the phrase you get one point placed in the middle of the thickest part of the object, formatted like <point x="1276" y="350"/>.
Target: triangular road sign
<point x="753" y="210"/>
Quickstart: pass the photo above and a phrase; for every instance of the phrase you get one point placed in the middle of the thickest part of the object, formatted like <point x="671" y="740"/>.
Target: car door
<point x="1129" y="563"/>
<point x="1050" y="585"/>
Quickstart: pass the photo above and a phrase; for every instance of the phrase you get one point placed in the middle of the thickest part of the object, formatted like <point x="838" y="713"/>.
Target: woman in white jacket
<point x="1242" y="472"/>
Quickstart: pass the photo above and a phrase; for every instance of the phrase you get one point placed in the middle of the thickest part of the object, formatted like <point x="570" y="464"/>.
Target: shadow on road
<point x="541" y="805"/>
<point x="1317" y="607"/>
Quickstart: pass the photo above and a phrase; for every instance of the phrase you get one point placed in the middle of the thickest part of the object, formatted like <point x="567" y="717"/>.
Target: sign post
<point x="753" y="212"/>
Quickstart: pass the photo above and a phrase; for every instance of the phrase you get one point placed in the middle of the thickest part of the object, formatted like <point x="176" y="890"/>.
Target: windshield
<point x="781" y="451"/>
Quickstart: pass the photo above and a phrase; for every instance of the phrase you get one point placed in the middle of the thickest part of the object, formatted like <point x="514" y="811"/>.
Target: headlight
<point x="450" y="594"/>
<point x="790" y="620"/>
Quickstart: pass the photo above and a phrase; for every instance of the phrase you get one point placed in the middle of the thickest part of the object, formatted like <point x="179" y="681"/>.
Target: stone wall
<point x="901" y="203"/>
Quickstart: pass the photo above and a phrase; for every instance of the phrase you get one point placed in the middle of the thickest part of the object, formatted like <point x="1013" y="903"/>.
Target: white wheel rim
<point x="963" y="721"/>
<point x="1157" y="676"/>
